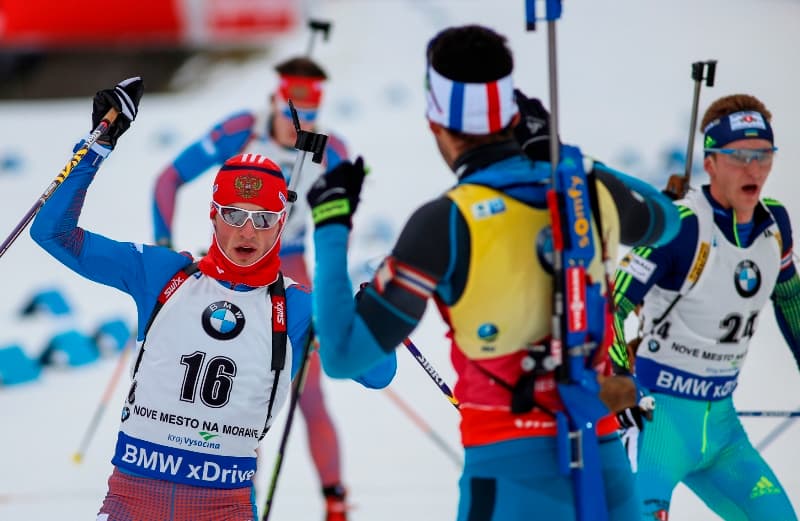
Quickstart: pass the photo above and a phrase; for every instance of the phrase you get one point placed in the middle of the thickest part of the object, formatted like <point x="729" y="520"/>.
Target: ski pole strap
<point x="552" y="12"/>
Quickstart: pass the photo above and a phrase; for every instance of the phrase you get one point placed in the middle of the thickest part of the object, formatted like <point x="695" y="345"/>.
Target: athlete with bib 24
<point x="699" y="313"/>
<point x="220" y="339"/>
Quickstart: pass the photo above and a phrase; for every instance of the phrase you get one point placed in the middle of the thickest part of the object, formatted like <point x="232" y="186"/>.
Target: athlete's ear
<point x="710" y="166"/>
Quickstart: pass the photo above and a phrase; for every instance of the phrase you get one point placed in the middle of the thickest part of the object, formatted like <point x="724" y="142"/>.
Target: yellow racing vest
<point x="507" y="299"/>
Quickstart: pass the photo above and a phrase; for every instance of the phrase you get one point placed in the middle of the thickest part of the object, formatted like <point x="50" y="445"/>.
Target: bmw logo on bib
<point x="223" y="320"/>
<point x="747" y="278"/>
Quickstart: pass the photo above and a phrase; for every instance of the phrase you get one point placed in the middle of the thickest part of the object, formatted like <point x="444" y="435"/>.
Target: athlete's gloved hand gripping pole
<point x="113" y="111"/>
<point x="315" y="144"/>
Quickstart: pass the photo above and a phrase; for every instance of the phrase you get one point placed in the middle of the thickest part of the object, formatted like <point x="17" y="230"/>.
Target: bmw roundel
<point x="747" y="278"/>
<point x="223" y="320"/>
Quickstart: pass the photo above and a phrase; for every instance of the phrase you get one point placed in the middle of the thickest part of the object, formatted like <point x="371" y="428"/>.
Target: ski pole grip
<point x="312" y="142"/>
<point x="321" y="26"/>
<point x="712" y="69"/>
<point x="697" y="71"/>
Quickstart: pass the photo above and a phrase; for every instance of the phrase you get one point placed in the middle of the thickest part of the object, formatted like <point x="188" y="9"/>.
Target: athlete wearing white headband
<point x="470" y="108"/>
<point x="481" y="251"/>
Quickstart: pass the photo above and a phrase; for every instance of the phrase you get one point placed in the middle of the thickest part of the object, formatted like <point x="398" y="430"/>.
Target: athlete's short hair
<point x="470" y="54"/>
<point x="301" y="66"/>
<point x="731" y="104"/>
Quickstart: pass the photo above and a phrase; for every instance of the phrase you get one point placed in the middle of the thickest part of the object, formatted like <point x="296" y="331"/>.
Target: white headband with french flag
<point x="471" y="108"/>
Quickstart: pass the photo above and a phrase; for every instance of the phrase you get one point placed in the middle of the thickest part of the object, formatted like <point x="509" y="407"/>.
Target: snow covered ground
<point x="625" y="97"/>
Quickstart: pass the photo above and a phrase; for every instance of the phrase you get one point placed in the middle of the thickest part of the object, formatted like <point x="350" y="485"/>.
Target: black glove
<point x="125" y="98"/>
<point x="335" y="194"/>
<point x="630" y="417"/>
<point x="533" y="130"/>
<point x="636" y="415"/>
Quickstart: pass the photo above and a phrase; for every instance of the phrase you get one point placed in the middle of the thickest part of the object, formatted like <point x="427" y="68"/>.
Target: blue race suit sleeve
<point x="298" y="302"/>
<point x="786" y="295"/>
<point x="141" y="271"/>
<point x="347" y="348"/>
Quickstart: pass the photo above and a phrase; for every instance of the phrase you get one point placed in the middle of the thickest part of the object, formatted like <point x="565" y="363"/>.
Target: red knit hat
<point x="250" y="178"/>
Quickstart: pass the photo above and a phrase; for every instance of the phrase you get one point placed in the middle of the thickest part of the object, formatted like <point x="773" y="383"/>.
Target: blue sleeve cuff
<point x="380" y="375"/>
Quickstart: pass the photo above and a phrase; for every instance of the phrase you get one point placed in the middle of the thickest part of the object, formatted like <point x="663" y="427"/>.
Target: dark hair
<point x="731" y="104"/>
<point x="301" y="66"/>
<point x="470" y="54"/>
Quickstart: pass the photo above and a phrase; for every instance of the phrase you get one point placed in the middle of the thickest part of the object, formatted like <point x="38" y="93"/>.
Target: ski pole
<point x="77" y="157"/>
<point x="678" y="185"/>
<point x="101" y="407"/>
<point x="775" y="433"/>
<point x="769" y="414"/>
<point x="427" y="429"/>
<point x="297" y="391"/>
<point x="305" y="142"/>
<point x="315" y="143"/>
<point x="432" y="372"/>
<point x="316" y="25"/>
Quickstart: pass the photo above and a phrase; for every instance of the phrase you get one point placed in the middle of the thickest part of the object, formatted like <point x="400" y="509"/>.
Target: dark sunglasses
<point x="261" y="219"/>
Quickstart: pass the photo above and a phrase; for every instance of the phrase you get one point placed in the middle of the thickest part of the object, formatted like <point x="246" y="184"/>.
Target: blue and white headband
<point x="471" y="108"/>
<point x="746" y="124"/>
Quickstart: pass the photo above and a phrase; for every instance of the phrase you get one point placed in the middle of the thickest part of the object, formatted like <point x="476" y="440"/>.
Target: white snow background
<point x="625" y="97"/>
